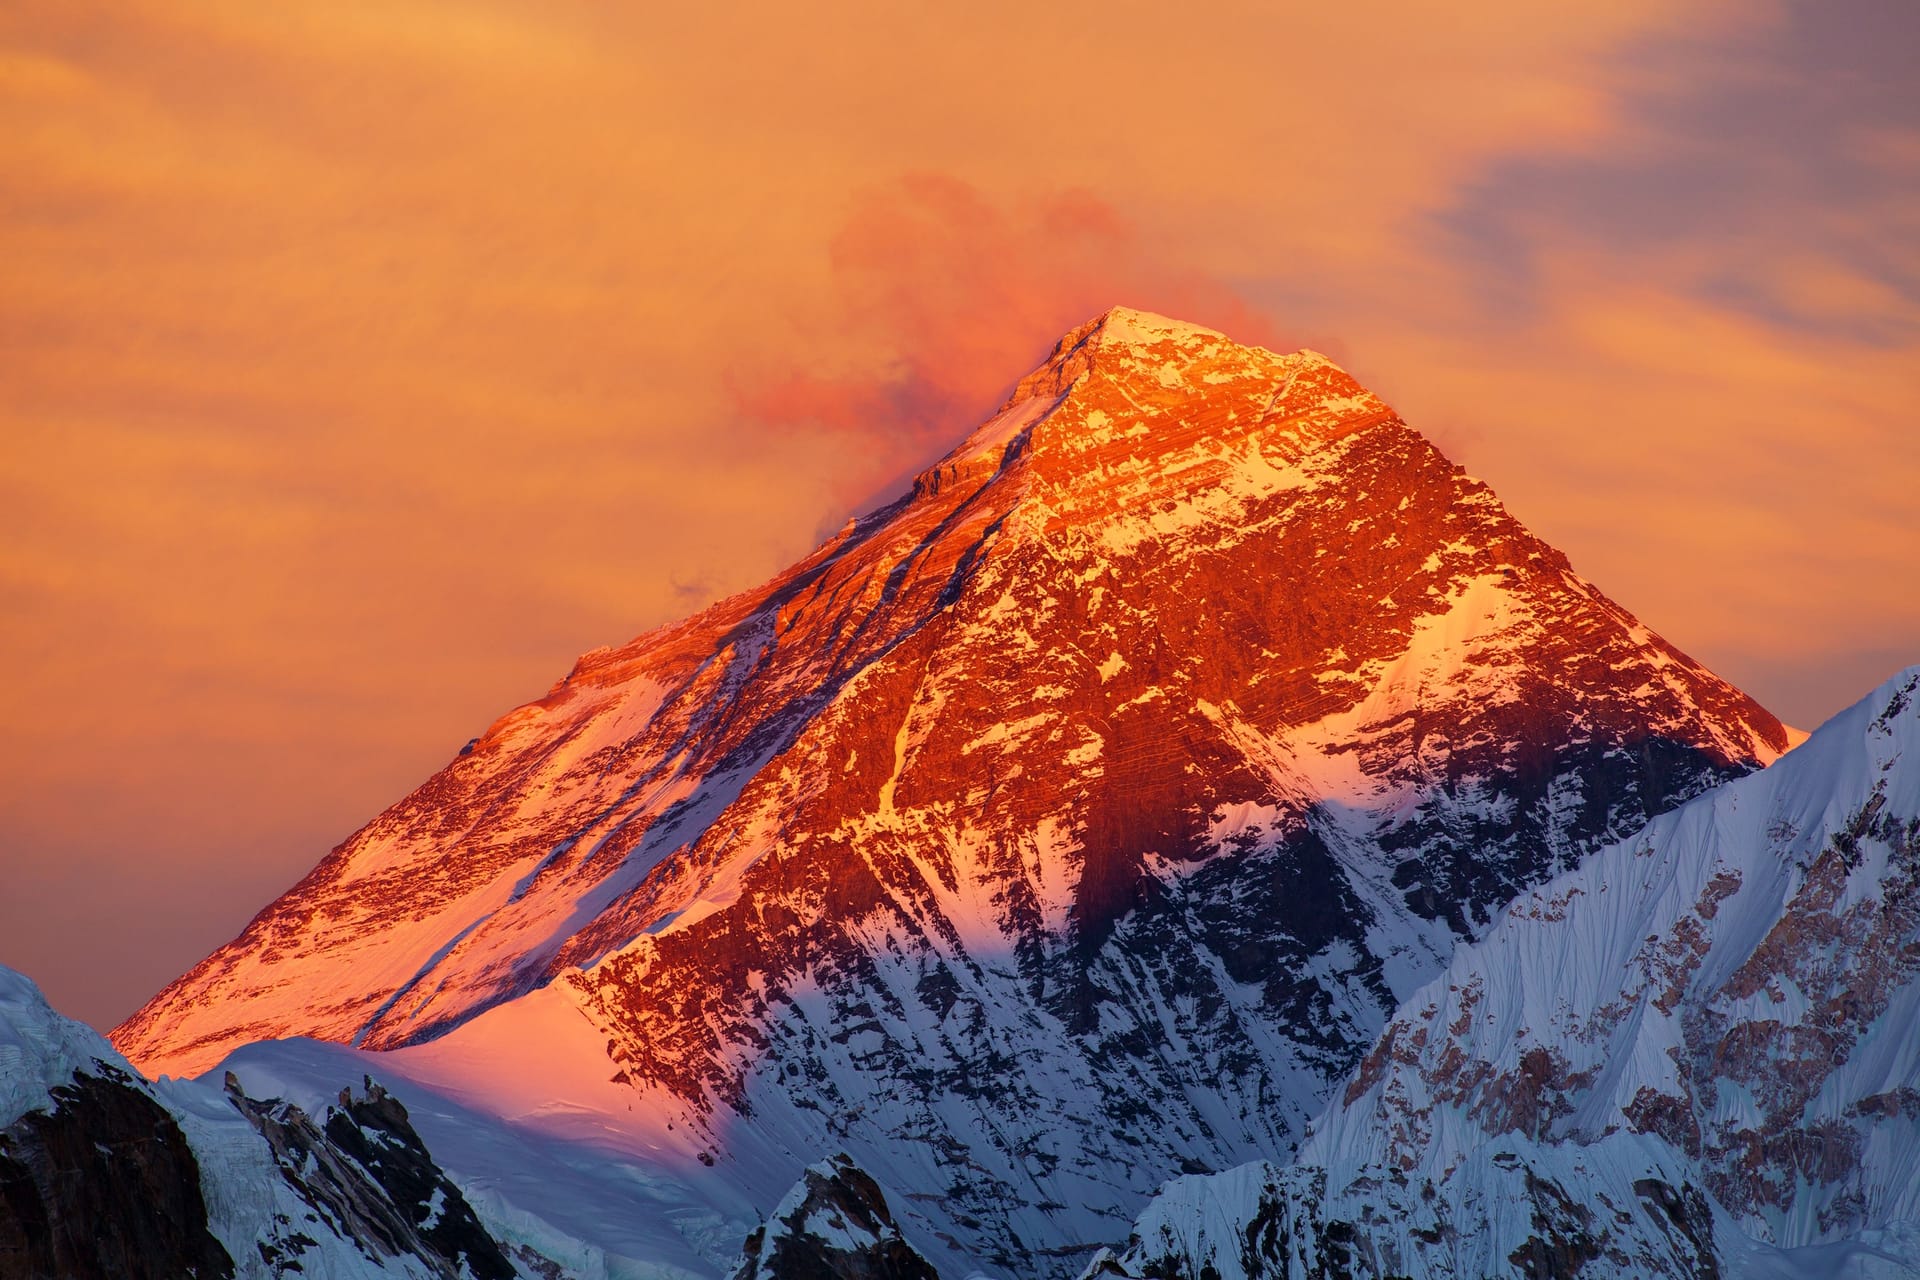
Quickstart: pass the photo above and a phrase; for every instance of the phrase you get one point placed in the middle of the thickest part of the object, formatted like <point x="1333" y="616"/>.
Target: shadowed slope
<point x="1690" y="1057"/>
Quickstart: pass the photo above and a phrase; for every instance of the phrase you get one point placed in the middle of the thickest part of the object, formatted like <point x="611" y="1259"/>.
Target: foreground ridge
<point x="1075" y="820"/>
<point x="104" y="1175"/>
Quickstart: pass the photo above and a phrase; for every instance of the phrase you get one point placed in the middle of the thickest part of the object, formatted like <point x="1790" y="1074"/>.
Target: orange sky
<point x="362" y="363"/>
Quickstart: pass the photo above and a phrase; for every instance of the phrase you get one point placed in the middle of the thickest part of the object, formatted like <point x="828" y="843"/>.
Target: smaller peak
<point x="1133" y="327"/>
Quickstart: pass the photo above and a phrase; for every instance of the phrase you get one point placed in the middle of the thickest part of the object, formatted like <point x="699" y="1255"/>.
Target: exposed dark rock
<point x="1564" y="1240"/>
<point x="375" y="1132"/>
<point x="834" y="1225"/>
<point x="1685" y="1213"/>
<point x="373" y="1182"/>
<point x="103" y="1186"/>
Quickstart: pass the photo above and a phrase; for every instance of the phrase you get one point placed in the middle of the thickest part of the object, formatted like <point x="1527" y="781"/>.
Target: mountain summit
<point x="1076" y="820"/>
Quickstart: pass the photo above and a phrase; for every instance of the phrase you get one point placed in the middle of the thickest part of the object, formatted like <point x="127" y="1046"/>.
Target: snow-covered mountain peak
<point x="1172" y="728"/>
<point x="1129" y="326"/>
<point x="1676" y="917"/>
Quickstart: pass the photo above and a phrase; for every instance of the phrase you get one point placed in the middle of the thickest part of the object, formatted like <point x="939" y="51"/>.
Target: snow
<point x="247" y="1199"/>
<point x="39" y="1049"/>
<point x="538" y="1171"/>
<point x="539" y="1062"/>
<point x="1127" y="327"/>
<point x="899" y="763"/>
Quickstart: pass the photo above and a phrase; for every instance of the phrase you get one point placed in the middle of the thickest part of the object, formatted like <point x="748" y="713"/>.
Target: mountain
<point x="1693" y="1056"/>
<point x="104" y="1175"/>
<point x="1075" y="820"/>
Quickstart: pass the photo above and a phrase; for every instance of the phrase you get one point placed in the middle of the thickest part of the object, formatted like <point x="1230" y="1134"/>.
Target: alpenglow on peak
<point x="1078" y="818"/>
<point x="1133" y="326"/>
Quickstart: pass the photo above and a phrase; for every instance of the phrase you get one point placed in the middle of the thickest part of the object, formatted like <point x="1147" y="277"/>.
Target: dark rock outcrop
<point x="103" y="1186"/>
<point x="105" y="1174"/>
<point x="834" y="1225"/>
<point x="367" y="1174"/>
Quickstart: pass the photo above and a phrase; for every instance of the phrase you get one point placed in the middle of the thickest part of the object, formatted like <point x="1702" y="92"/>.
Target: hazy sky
<point x="360" y="364"/>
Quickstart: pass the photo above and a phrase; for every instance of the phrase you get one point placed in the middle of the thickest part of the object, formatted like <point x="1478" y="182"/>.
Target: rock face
<point x="1076" y="820"/>
<point x="833" y="1225"/>
<point x="102" y="1174"/>
<point x="1691" y="1057"/>
<point x="369" y="1177"/>
<point x="104" y="1185"/>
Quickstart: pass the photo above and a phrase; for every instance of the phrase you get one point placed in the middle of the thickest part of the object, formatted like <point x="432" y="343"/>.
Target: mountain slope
<point x="1077" y="819"/>
<point x="1693" y="1056"/>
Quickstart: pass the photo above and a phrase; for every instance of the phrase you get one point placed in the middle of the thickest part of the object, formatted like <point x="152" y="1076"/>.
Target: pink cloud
<point x="940" y="295"/>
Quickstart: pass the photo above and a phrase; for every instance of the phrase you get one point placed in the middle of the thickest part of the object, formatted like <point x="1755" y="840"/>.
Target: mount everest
<point x="1104" y="810"/>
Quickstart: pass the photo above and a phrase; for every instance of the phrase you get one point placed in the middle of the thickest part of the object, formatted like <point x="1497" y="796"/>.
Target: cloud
<point x="360" y="365"/>
<point x="941" y="298"/>
<point x="1686" y="349"/>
